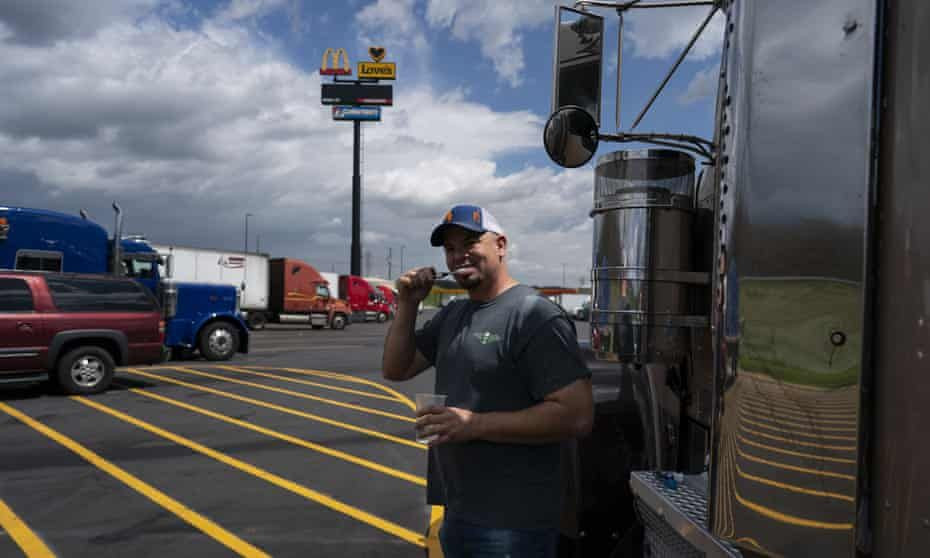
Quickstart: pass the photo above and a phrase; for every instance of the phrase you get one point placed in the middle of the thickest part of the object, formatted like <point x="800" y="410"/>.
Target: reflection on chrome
<point x="788" y="431"/>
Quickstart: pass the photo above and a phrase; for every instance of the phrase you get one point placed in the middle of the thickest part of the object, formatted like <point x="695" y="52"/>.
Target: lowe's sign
<point x="343" y="112"/>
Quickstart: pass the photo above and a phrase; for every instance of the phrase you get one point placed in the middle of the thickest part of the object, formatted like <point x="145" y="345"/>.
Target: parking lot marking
<point x="208" y="527"/>
<point x="796" y="442"/>
<point x="292" y="393"/>
<point x="818" y="435"/>
<point x="790" y="519"/>
<point x="778" y="465"/>
<point x="30" y="543"/>
<point x="355" y="513"/>
<point x="795" y="453"/>
<point x="335" y="375"/>
<point x="287" y="438"/>
<point x="288" y="410"/>
<point x="791" y="487"/>
<point x="309" y="383"/>
<point x="770" y="417"/>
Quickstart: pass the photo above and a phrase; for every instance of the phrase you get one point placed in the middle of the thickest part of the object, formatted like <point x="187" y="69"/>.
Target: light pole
<point x="247" y="215"/>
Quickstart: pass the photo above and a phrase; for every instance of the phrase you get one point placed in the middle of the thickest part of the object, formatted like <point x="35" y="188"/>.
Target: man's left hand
<point x="449" y="424"/>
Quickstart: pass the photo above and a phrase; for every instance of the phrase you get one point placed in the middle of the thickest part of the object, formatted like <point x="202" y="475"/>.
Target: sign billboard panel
<point x="372" y="114"/>
<point x="377" y="70"/>
<point x="356" y="94"/>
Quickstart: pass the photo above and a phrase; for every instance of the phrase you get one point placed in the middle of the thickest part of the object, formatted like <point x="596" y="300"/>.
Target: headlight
<point x="169" y="300"/>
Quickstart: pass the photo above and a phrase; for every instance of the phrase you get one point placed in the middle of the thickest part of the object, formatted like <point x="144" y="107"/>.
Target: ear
<point x="501" y="241"/>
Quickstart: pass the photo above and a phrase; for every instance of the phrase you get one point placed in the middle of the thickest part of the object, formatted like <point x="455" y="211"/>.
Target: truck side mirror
<point x="570" y="137"/>
<point x="579" y="47"/>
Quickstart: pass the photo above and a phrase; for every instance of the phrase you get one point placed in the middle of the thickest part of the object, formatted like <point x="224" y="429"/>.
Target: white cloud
<point x="495" y="25"/>
<point x="191" y="129"/>
<point x="701" y="86"/>
<point x="660" y="33"/>
<point x="394" y="16"/>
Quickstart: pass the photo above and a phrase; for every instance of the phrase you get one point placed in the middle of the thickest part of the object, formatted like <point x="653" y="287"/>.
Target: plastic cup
<point x="423" y="401"/>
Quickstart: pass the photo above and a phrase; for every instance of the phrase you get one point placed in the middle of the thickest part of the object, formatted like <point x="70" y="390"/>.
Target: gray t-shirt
<point x="507" y="354"/>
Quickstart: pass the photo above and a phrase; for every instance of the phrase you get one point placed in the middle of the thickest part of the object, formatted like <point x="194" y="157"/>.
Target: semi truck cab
<point x="202" y="317"/>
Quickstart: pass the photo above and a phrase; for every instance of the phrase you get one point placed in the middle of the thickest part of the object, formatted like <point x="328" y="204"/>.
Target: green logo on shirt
<point x="487" y="337"/>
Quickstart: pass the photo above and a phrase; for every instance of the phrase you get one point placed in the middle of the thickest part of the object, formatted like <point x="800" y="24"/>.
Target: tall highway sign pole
<point x="357" y="100"/>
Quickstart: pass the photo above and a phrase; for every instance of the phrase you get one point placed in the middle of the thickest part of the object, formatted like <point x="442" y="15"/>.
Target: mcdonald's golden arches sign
<point x="331" y="63"/>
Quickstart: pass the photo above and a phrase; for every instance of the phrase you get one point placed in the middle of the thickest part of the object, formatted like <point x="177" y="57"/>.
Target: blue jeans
<point x="461" y="539"/>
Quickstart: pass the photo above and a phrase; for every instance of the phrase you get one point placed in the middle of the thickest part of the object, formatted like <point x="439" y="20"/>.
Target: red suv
<point x="75" y="328"/>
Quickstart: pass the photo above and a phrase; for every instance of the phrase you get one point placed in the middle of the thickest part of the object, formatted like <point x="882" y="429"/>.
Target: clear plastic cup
<point x="423" y="401"/>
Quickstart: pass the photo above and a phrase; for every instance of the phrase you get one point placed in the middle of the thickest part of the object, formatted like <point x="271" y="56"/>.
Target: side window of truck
<point x="78" y="294"/>
<point x="38" y="260"/>
<point x="15" y="296"/>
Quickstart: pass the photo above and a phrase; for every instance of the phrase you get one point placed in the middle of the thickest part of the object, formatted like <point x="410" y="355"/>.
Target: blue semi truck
<point x="197" y="316"/>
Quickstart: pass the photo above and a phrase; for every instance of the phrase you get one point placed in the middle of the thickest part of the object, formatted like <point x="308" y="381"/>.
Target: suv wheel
<point x="338" y="322"/>
<point x="85" y="370"/>
<point x="382" y="317"/>
<point x="219" y="341"/>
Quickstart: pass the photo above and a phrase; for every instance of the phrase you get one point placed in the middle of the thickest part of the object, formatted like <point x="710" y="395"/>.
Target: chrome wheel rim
<point x="87" y="371"/>
<point x="220" y="340"/>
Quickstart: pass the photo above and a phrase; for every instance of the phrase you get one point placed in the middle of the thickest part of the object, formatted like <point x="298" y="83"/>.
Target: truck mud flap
<point x="675" y="519"/>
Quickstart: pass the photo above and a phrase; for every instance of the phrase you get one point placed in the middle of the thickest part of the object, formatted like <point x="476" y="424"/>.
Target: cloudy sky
<point x="192" y="113"/>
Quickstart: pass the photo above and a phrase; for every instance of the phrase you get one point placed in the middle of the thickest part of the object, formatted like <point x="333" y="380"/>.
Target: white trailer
<point x="247" y="272"/>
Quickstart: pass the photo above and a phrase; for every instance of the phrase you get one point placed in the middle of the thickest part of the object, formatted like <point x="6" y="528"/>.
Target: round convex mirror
<point x="570" y="137"/>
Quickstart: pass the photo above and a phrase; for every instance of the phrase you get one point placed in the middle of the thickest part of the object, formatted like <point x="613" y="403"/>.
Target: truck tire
<point x="219" y="341"/>
<point x="257" y="320"/>
<point x="85" y="370"/>
<point x="338" y="322"/>
<point x="382" y="317"/>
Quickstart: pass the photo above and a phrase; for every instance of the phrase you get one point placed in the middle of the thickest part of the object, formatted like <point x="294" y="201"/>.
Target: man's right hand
<point x="414" y="285"/>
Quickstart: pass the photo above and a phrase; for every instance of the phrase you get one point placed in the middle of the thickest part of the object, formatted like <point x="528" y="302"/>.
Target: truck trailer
<point x="247" y="272"/>
<point x="760" y="319"/>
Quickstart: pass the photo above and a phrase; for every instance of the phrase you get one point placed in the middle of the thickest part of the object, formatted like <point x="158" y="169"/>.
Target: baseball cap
<point x="471" y="217"/>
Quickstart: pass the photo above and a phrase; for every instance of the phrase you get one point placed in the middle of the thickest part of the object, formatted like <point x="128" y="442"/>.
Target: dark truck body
<point x="46" y="317"/>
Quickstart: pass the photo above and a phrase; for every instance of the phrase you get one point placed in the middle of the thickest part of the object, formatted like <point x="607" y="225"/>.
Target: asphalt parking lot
<point x="297" y="449"/>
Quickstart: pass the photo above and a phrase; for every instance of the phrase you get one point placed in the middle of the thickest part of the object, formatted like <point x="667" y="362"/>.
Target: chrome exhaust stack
<point x="645" y="286"/>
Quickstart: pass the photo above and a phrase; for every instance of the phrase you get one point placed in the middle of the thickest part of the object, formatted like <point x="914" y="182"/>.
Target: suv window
<point x="15" y="296"/>
<point x="78" y="294"/>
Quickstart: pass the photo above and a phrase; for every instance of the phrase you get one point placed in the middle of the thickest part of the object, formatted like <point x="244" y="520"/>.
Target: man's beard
<point x="468" y="283"/>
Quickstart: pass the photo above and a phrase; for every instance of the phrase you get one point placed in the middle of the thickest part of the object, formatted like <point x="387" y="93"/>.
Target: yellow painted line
<point x="267" y="476"/>
<point x="308" y="383"/>
<point x="745" y="420"/>
<point x="30" y="543"/>
<point x="280" y="408"/>
<point x="792" y="487"/>
<point x="400" y="396"/>
<point x="292" y="393"/>
<point x="812" y="424"/>
<point x="198" y="521"/>
<point x="796" y="415"/>
<point x="753" y="542"/>
<point x="805" y="410"/>
<point x="790" y="519"/>
<point x="287" y="438"/>
<point x="433" y="546"/>
<point x="346" y="378"/>
<point x="797" y="442"/>
<point x="796" y="453"/>
<point x="778" y="465"/>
